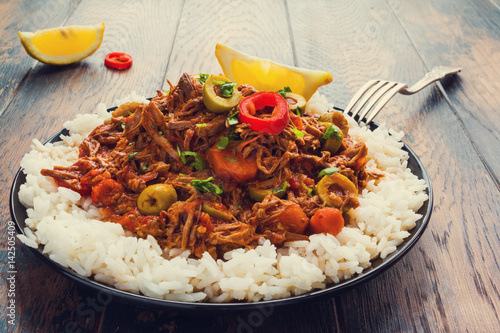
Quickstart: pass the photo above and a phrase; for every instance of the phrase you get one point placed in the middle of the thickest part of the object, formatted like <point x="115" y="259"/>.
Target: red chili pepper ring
<point x="118" y="60"/>
<point x="265" y="112"/>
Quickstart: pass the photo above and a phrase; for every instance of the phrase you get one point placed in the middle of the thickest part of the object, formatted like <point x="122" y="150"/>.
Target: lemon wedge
<point x="64" y="45"/>
<point x="266" y="75"/>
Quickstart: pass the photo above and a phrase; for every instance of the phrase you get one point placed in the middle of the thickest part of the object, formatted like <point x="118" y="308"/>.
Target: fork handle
<point x="436" y="74"/>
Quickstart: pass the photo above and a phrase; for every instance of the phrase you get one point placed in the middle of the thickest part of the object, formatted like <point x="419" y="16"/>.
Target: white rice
<point x="72" y="235"/>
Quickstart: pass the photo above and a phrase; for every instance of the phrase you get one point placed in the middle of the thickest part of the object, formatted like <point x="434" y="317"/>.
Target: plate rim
<point x="151" y="302"/>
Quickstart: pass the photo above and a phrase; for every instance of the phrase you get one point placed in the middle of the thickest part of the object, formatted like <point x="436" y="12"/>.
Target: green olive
<point x="333" y="143"/>
<point x="216" y="213"/>
<point x="212" y="99"/>
<point x="337" y="119"/>
<point x="336" y="190"/>
<point x="294" y="101"/>
<point x="258" y="194"/>
<point x="156" y="198"/>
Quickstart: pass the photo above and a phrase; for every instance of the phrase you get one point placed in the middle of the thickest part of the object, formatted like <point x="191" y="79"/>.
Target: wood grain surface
<point x="449" y="282"/>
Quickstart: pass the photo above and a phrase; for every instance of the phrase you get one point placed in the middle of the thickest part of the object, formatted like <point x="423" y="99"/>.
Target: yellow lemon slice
<point x="64" y="45"/>
<point x="266" y="75"/>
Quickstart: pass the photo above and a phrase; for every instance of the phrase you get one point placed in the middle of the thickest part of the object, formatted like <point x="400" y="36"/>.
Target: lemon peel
<point x="63" y="45"/>
<point x="267" y="75"/>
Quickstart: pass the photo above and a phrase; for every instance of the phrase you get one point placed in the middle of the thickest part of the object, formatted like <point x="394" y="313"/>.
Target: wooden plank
<point x="49" y="96"/>
<point x="423" y="292"/>
<point x="246" y="26"/>
<point x="465" y="34"/>
<point x="14" y="62"/>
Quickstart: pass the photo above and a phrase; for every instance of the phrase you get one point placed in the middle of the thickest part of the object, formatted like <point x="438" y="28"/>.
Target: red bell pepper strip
<point x="265" y="112"/>
<point x="118" y="60"/>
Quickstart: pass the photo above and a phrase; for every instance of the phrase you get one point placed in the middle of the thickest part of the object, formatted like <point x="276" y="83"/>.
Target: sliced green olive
<point x="156" y="198"/>
<point x="213" y="99"/>
<point x="258" y="194"/>
<point x="333" y="143"/>
<point x="337" y="191"/>
<point x="337" y="119"/>
<point x="216" y="213"/>
<point x="294" y="101"/>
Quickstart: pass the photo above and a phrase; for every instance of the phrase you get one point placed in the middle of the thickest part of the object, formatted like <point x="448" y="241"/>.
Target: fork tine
<point x="367" y="96"/>
<point x="376" y="97"/>
<point x="384" y="101"/>
<point x="358" y="95"/>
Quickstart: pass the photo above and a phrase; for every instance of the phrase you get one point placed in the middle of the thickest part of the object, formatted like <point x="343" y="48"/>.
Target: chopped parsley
<point x="132" y="155"/>
<point x="282" y="188"/>
<point x="203" y="78"/>
<point x="144" y="166"/>
<point x="309" y="192"/>
<point x="332" y="131"/>
<point x="230" y="159"/>
<point x="131" y="143"/>
<point x="283" y="91"/>
<point x="327" y="171"/>
<point x="181" y="155"/>
<point x="233" y="119"/>
<point x="223" y="142"/>
<point x="298" y="111"/>
<point x="298" y="133"/>
<point x="160" y="132"/>
<point x="153" y="126"/>
<point x="233" y="135"/>
<point x="205" y="186"/>
<point x="226" y="89"/>
<point x="122" y="124"/>
<point x="198" y="162"/>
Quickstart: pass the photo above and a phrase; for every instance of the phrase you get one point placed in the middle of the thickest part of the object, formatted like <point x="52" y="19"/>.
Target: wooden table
<point x="449" y="282"/>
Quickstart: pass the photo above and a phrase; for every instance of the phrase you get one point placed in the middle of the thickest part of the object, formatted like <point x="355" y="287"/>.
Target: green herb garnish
<point x="160" y="132"/>
<point x="332" y="131"/>
<point x="201" y="125"/>
<point x="223" y="142"/>
<point x="205" y="186"/>
<point x="132" y="155"/>
<point x="233" y="119"/>
<point x="198" y="163"/>
<point x="131" y="143"/>
<point x="281" y="188"/>
<point x="309" y="191"/>
<point x="233" y="135"/>
<point x="144" y="166"/>
<point x="298" y="111"/>
<point x="122" y="125"/>
<point x="327" y="171"/>
<point x="283" y="91"/>
<point x="298" y="133"/>
<point x="181" y="155"/>
<point x="203" y="78"/>
<point x="230" y="159"/>
<point x="153" y="126"/>
<point x="226" y="89"/>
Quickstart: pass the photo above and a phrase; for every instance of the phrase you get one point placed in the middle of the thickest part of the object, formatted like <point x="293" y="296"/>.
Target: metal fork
<point x="382" y="91"/>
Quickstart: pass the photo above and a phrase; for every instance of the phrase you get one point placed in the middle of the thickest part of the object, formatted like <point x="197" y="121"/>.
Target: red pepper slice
<point x="118" y="60"/>
<point x="254" y="110"/>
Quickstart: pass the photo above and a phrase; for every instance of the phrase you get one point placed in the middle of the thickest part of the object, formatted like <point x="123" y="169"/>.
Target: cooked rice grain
<point x="70" y="232"/>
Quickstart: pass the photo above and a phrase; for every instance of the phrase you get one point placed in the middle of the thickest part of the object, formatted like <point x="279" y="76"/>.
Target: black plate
<point x="18" y="212"/>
